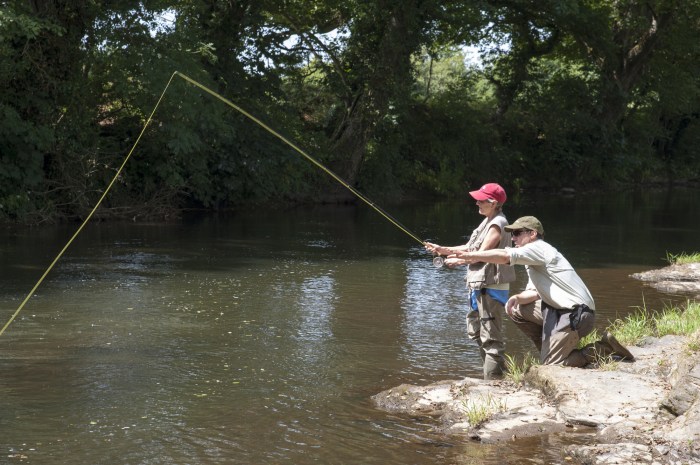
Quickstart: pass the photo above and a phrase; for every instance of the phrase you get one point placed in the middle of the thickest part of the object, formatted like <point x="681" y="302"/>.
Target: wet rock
<point x="674" y="279"/>
<point x="609" y="454"/>
<point x="488" y="411"/>
<point x="428" y="400"/>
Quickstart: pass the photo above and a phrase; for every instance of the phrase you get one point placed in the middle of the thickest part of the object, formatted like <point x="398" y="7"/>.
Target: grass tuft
<point x="515" y="372"/>
<point x="605" y="362"/>
<point x="643" y="323"/>
<point x="634" y="327"/>
<point x="682" y="258"/>
<point x="481" y="410"/>
<point x="693" y="343"/>
<point x="590" y="339"/>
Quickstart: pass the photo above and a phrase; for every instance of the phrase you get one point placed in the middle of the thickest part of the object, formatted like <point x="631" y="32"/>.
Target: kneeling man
<point x="556" y="309"/>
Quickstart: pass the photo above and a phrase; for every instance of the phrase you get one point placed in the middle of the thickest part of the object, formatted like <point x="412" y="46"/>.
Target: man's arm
<point x="498" y="256"/>
<point x="525" y="297"/>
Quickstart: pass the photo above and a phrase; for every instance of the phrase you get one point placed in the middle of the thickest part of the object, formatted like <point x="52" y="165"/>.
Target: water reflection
<point x="315" y="303"/>
<point x="260" y="338"/>
<point x="434" y="307"/>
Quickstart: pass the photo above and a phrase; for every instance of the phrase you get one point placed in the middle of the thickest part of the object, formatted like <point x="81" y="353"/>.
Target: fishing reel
<point x="438" y="261"/>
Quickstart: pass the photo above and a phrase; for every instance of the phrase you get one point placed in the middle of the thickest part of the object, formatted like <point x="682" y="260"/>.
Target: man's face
<point x="523" y="236"/>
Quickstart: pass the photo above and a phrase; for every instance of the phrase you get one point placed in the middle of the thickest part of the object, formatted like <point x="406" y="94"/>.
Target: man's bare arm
<point x="498" y="256"/>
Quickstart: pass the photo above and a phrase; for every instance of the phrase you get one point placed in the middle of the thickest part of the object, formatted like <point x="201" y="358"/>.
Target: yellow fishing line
<point x="138" y="139"/>
<point x="70" y="241"/>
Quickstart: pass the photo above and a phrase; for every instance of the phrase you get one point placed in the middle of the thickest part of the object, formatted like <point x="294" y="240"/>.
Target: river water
<point x="259" y="337"/>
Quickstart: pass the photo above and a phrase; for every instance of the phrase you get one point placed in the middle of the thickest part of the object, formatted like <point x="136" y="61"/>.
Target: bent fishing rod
<point x="438" y="261"/>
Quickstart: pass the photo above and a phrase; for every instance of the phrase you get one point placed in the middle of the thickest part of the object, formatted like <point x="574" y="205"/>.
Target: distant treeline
<point x="399" y="97"/>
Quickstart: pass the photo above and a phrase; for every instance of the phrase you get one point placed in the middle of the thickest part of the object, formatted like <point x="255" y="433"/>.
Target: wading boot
<point x="618" y="349"/>
<point x="606" y="347"/>
<point x="493" y="368"/>
<point x="596" y="351"/>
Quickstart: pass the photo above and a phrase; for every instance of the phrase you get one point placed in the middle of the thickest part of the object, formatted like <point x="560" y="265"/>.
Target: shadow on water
<point x="259" y="338"/>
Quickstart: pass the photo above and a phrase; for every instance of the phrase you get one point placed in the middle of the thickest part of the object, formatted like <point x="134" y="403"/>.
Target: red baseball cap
<point x="490" y="191"/>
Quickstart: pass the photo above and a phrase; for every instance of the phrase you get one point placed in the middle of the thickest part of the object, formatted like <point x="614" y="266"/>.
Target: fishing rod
<point x="206" y="89"/>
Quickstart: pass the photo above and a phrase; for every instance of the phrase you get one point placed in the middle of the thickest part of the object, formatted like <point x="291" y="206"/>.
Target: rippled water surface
<point x="259" y="338"/>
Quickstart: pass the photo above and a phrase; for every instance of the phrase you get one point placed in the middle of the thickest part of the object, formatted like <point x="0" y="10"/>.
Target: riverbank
<point x="641" y="412"/>
<point x="647" y="411"/>
<point x="674" y="279"/>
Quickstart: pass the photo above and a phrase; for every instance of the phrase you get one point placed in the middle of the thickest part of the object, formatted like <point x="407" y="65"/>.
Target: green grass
<point x="643" y="323"/>
<point x="673" y="321"/>
<point x="629" y="331"/>
<point x="605" y="363"/>
<point x="516" y="371"/>
<point x="482" y="410"/>
<point x="634" y="327"/>
<point x="591" y="338"/>
<point x="682" y="258"/>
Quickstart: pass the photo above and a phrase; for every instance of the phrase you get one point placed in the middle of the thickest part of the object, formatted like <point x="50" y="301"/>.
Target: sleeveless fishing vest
<point x="480" y="275"/>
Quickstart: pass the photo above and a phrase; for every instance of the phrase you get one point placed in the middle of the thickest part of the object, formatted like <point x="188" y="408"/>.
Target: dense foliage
<point x="399" y="97"/>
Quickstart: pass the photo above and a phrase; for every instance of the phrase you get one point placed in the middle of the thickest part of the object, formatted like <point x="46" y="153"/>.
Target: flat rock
<point x="599" y="398"/>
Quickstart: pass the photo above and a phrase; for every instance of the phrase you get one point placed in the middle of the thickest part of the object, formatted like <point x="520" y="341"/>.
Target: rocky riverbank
<point x="641" y="412"/>
<point x="674" y="279"/>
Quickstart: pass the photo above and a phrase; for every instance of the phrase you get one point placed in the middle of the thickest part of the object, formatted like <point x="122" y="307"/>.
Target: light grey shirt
<point x="551" y="275"/>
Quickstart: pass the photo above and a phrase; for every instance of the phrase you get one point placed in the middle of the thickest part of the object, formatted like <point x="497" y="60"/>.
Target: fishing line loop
<point x="92" y="212"/>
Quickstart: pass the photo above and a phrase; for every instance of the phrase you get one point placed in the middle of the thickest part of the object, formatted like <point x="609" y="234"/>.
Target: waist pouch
<point x="575" y="315"/>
